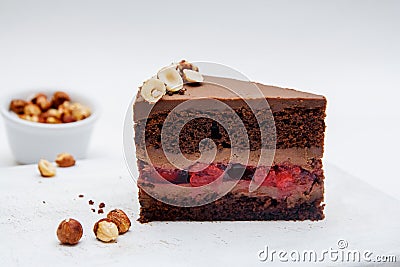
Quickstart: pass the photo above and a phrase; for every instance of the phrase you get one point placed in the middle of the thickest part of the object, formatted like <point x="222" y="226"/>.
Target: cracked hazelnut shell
<point x="120" y="219"/>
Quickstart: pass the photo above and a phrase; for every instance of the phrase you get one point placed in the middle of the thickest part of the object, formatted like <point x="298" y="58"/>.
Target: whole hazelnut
<point x="120" y="219"/>
<point x="69" y="231"/>
<point x="65" y="160"/>
<point x="59" y="98"/>
<point x="106" y="230"/>
<point x="18" y="105"/>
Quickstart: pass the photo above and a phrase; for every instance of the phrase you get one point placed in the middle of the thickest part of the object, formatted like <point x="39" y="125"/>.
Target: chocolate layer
<point x="216" y="88"/>
<point x="303" y="157"/>
<point x="295" y="127"/>
<point x="233" y="207"/>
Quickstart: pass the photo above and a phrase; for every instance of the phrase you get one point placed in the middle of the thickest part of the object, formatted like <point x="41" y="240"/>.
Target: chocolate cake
<point x="266" y="152"/>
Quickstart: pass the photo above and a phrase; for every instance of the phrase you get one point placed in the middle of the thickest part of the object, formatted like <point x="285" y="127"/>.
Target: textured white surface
<point x="363" y="216"/>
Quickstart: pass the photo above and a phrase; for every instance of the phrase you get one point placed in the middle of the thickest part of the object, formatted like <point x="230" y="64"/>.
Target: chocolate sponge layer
<point x="295" y="127"/>
<point x="230" y="208"/>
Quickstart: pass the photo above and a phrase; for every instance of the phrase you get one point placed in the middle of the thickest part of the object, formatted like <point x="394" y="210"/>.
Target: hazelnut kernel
<point x="46" y="169"/>
<point x="52" y="113"/>
<point x="105" y="230"/>
<point x="66" y="118"/>
<point x="65" y="160"/>
<point x="32" y="118"/>
<point x="18" y="105"/>
<point x="79" y="111"/>
<point x="43" y="103"/>
<point x="34" y="100"/>
<point x="120" y="219"/>
<point x="183" y="64"/>
<point x="41" y="100"/>
<point x="66" y="105"/>
<point x="32" y="109"/>
<point x="42" y="118"/>
<point x="69" y="231"/>
<point x="59" y="98"/>
<point x="52" y="120"/>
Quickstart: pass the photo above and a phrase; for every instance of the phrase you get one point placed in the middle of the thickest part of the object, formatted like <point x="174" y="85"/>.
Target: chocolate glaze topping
<point x="233" y="93"/>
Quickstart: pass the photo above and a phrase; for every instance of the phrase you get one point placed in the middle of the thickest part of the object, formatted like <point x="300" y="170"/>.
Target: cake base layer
<point x="230" y="208"/>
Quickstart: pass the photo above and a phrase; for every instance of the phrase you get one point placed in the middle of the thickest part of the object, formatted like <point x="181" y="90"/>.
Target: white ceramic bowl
<point x="32" y="141"/>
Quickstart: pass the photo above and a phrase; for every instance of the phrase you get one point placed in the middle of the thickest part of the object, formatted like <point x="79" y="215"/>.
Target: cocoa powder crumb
<point x="102" y="205"/>
<point x="91" y="202"/>
<point x="100" y="211"/>
<point x="81" y="196"/>
<point x="93" y="210"/>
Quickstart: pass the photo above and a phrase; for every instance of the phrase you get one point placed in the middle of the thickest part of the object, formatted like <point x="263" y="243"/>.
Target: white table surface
<point x="31" y="208"/>
<point x="345" y="50"/>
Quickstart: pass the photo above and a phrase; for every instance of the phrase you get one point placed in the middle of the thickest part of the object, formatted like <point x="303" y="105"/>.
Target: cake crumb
<point x="102" y="205"/>
<point x="91" y="202"/>
<point x="100" y="211"/>
<point x="93" y="210"/>
<point x="81" y="196"/>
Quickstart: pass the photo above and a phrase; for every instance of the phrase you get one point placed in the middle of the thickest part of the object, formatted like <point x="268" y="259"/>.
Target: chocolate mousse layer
<point x="302" y="157"/>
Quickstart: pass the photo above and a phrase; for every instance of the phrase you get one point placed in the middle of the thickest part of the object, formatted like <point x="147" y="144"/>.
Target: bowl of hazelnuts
<point x="45" y="123"/>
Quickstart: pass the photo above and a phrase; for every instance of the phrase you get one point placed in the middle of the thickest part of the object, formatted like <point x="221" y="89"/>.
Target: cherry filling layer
<point x="284" y="176"/>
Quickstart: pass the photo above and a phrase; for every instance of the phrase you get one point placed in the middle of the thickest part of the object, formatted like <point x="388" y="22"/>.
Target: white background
<point x="345" y="50"/>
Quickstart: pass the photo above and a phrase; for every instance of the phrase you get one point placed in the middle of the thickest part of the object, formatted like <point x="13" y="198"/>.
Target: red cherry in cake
<point x="270" y="179"/>
<point x="170" y="176"/>
<point x="261" y="176"/>
<point x="205" y="176"/>
<point x="173" y="176"/>
<point x="284" y="179"/>
<point x="281" y="178"/>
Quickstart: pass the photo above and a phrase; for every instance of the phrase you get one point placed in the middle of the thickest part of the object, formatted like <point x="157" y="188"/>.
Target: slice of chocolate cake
<point x="219" y="151"/>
